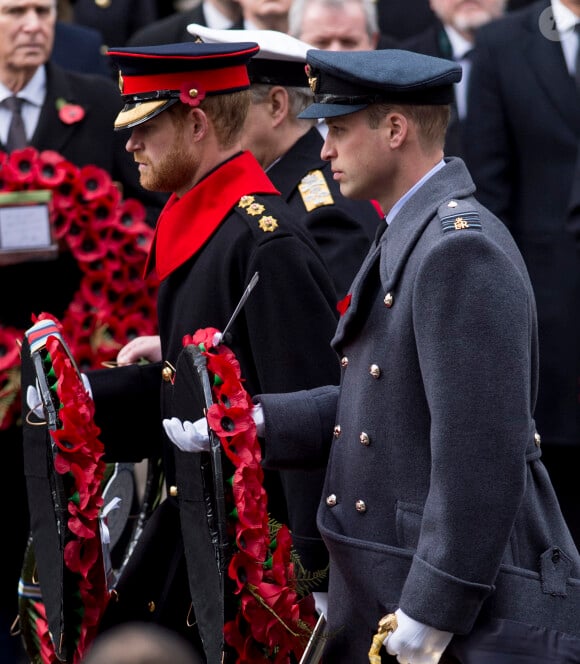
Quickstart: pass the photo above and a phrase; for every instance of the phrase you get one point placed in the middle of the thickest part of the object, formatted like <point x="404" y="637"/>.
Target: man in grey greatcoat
<point x="436" y="506"/>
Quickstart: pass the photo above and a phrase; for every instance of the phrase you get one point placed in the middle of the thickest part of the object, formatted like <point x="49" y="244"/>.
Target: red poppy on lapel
<point x="344" y="304"/>
<point x="69" y="113"/>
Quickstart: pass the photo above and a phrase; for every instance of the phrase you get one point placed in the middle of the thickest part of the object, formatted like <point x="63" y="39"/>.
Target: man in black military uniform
<point x="186" y="105"/>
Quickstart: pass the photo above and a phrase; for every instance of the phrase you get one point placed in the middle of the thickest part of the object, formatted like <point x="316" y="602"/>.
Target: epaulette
<point x="314" y="191"/>
<point x="266" y="222"/>
<point x="459" y="216"/>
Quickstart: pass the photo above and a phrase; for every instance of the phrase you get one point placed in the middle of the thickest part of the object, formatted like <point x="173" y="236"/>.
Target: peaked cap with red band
<point x="153" y="78"/>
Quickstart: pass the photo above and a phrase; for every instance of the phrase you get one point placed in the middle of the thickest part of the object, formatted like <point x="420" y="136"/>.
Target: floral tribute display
<point x="77" y="455"/>
<point x="273" y="622"/>
<point x="109" y="239"/>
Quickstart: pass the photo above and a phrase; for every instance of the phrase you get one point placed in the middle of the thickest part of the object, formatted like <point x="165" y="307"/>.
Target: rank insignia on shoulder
<point x="314" y="191"/>
<point x="268" y="224"/>
<point x="459" y="216"/>
<point x="248" y="203"/>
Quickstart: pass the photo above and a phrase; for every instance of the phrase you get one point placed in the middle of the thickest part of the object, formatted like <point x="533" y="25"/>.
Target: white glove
<point x="321" y="603"/>
<point x="194" y="436"/>
<point x="188" y="436"/>
<point x="258" y="417"/>
<point x="415" y="643"/>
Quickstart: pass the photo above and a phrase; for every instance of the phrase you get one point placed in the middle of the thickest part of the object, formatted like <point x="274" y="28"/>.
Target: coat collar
<point x="394" y="246"/>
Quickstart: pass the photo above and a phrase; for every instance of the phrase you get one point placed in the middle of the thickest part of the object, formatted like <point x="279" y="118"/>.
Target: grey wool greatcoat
<point x="435" y="499"/>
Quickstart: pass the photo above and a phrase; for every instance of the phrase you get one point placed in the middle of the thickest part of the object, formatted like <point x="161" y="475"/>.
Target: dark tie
<point x="16" y="133"/>
<point x="577" y="65"/>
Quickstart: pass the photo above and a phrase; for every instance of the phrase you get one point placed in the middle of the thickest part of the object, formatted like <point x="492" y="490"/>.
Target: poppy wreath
<point x="78" y="462"/>
<point x="274" y="618"/>
<point x="109" y="239"/>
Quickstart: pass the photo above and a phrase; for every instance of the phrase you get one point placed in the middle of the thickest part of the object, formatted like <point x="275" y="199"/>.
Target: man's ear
<point x="398" y="128"/>
<point x="278" y="104"/>
<point x="198" y="122"/>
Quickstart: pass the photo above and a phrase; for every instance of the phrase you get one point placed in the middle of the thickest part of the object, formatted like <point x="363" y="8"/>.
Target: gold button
<point x="151" y="606"/>
<point x="167" y="372"/>
<point x="375" y="371"/>
<point x="537" y="439"/>
<point x="173" y="491"/>
<point x="337" y="430"/>
<point x="331" y="500"/>
<point x="103" y="4"/>
<point x="452" y="204"/>
<point x="364" y="438"/>
<point x="193" y="93"/>
<point x="344" y="362"/>
<point x="388" y="300"/>
<point x="360" y="506"/>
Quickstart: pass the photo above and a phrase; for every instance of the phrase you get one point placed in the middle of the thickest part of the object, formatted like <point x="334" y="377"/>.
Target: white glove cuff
<point x="258" y="417"/>
<point x="415" y="641"/>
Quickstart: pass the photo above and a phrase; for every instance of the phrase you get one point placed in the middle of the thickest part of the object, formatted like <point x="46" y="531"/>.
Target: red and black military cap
<point x="153" y="78"/>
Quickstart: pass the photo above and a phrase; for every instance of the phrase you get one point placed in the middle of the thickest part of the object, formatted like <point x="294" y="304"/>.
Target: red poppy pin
<point x="344" y="304"/>
<point x="69" y="113"/>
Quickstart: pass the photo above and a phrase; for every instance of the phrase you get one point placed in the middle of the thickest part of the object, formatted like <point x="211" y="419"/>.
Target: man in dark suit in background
<point x="522" y="133"/>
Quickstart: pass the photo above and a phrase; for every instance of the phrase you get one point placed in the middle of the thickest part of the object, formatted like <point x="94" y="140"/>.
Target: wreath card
<point x="25" y="230"/>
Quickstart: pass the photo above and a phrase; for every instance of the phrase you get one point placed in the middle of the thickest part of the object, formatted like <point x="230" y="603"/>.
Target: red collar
<point x="186" y="223"/>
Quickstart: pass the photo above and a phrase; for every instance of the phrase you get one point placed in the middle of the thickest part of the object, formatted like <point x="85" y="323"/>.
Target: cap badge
<point x="312" y="80"/>
<point x="121" y="82"/>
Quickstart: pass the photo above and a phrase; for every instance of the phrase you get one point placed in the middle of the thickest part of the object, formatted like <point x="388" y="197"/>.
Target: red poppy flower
<point x="202" y="338"/>
<point x="344" y="304"/>
<point x="20" y="167"/>
<point x="243" y="570"/>
<point x="93" y="182"/>
<point x="51" y="169"/>
<point x="191" y="93"/>
<point x="71" y="113"/>
<point x="132" y="215"/>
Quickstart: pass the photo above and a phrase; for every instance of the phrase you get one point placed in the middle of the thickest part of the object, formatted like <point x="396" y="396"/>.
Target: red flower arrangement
<point x="273" y="623"/>
<point x="78" y="460"/>
<point x="109" y="239"/>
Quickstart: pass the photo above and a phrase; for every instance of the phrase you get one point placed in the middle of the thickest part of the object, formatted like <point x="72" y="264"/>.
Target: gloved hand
<point x="194" y="437"/>
<point x="188" y="436"/>
<point x="415" y="643"/>
<point x="321" y="603"/>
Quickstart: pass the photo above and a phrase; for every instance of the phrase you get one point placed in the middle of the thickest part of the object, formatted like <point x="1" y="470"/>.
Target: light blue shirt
<point x="399" y="204"/>
<point x="34" y="93"/>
